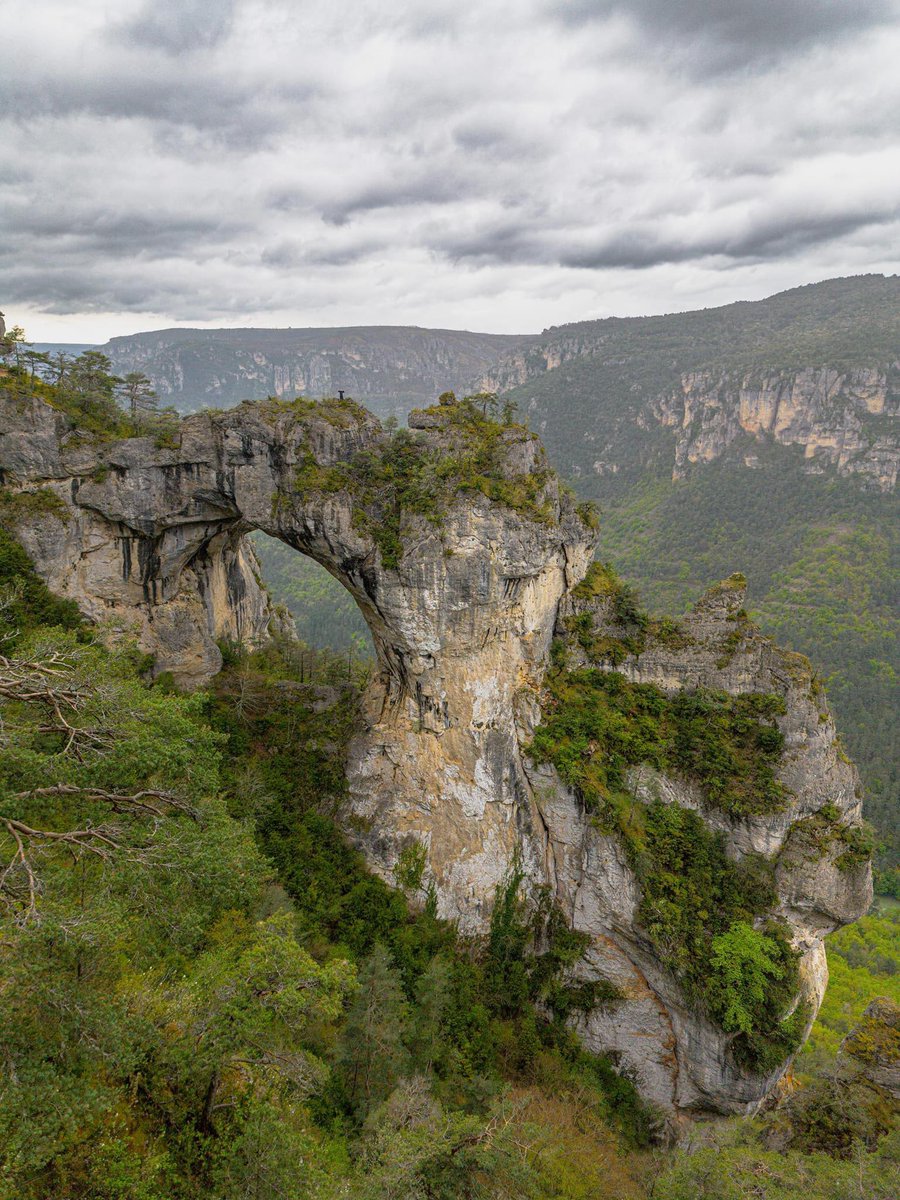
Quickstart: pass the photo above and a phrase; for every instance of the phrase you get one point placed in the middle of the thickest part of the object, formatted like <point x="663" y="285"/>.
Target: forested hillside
<point x="205" y="993"/>
<point x="823" y="562"/>
<point x="820" y="551"/>
<point x="585" y="385"/>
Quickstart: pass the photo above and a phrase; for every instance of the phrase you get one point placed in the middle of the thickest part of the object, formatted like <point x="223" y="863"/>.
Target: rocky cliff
<point x="799" y="827"/>
<point x="112" y="527"/>
<point x="842" y="419"/>
<point x="816" y="367"/>
<point x="389" y="368"/>
<point x="498" y="712"/>
<point x="845" y="420"/>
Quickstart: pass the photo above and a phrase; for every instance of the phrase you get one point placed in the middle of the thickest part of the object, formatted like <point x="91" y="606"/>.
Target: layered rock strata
<point x="845" y="420"/>
<point x="389" y="368"/>
<point x="150" y="539"/>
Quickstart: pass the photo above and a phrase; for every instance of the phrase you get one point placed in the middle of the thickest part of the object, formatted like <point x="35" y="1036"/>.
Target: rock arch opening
<point x="326" y="616"/>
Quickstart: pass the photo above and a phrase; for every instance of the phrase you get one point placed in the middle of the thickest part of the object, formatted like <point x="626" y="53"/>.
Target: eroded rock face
<point x="842" y="420"/>
<point x="151" y="539"/>
<point x="388" y="368"/>
<point x="872" y="1048"/>
<point x="679" y="1057"/>
<point x="140" y="537"/>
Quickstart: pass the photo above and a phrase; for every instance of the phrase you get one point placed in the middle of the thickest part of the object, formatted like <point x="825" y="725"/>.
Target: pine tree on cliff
<point x="137" y="392"/>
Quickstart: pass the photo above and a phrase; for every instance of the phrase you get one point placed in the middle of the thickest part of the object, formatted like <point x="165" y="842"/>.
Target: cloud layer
<point x="520" y="164"/>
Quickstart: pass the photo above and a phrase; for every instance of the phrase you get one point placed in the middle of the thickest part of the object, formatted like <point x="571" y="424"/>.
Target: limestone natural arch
<point x="151" y="539"/>
<point x="461" y="624"/>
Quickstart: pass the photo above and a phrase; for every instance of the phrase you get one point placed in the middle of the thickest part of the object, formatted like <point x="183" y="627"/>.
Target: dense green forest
<point x="822" y="561"/>
<point x="325" y="614"/>
<point x="590" y="406"/>
<point x="863" y="962"/>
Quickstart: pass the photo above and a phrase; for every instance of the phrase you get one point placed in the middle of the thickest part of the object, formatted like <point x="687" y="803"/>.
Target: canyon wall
<point x="844" y="420"/>
<point x="389" y="368"/>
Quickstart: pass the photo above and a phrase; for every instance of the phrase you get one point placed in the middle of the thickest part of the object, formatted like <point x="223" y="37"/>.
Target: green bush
<point x="25" y="601"/>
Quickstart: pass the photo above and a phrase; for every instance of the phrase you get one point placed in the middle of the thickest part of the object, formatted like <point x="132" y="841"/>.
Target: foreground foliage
<point x="732" y="1165"/>
<point x="203" y="993"/>
<point x="223" y="1002"/>
<point x="182" y="1019"/>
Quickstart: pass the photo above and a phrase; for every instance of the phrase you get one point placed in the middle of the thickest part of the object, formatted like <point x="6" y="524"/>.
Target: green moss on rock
<point x="408" y="476"/>
<point x="876" y="1039"/>
<point x="39" y="502"/>
<point x="25" y="600"/>
<point x="597" y="724"/>
<point x="700" y="908"/>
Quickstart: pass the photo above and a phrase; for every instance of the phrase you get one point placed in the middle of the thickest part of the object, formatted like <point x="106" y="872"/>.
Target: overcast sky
<point x="500" y="165"/>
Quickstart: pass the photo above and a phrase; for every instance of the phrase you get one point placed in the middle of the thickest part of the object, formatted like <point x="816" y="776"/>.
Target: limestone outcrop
<point x="135" y="535"/>
<point x="872" y="1048"/>
<point x="682" y="1059"/>
<point x="844" y="420"/>
<point x="465" y="556"/>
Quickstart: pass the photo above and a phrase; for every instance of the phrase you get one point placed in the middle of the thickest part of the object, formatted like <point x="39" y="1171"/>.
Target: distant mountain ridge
<point x="391" y="369"/>
<point x="816" y="367"/>
<point x="817" y="324"/>
<point x="71" y="348"/>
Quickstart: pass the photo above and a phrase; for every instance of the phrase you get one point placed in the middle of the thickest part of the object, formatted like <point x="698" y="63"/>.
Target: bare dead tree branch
<point x="119" y="802"/>
<point x="20" y="857"/>
<point x="72" y="837"/>
<point x="74" y="709"/>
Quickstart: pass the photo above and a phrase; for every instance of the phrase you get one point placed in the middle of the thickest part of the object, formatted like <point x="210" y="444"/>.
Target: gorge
<point x="472" y="567"/>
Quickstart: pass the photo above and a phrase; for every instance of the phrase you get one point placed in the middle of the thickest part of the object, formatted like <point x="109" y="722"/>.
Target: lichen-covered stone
<point x="872" y="1047"/>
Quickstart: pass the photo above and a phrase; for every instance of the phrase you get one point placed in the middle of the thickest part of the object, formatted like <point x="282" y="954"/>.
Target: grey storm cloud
<point x="491" y="141"/>
<point x="750" y="27"/>
<point x="242" y="113"/>
<point x="320" y="253"/>
<point x="772" y="234"/>
<point x="777" y="236"/>
<point x="397" y="193"/>
<point x="58" y="288"/>
<point x="116" y="234"/>
<point x="513" y="164"/>
<point x="178" y="27"/>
